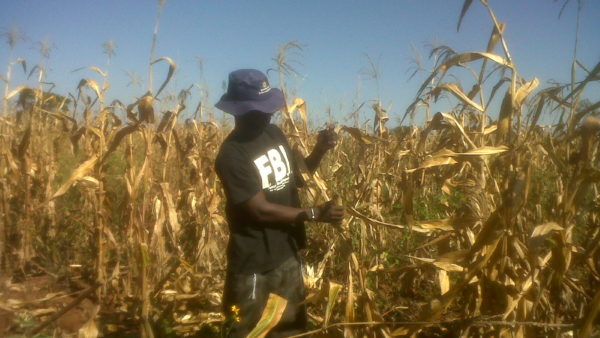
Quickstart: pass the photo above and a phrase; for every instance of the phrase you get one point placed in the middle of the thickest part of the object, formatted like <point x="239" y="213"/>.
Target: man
<point x="266" y="223"/>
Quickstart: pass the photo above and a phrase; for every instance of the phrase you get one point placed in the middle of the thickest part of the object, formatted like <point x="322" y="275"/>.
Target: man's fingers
<point x="337" y="213"/>
<point x="331" y="213"/>
<point x="337" y="210"/>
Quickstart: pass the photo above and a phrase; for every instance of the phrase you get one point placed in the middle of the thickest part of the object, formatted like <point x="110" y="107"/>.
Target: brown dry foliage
<point x="461" y="227"/>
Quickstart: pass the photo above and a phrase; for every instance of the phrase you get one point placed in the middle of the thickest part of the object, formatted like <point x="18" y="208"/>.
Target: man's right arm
<point x="265" y="212"/>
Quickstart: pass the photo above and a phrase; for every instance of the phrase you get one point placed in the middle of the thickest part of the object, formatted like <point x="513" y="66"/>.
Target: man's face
<point x="253" y="121"/>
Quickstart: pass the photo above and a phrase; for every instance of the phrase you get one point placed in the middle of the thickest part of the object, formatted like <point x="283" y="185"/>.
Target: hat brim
<point x="269" y="103"/>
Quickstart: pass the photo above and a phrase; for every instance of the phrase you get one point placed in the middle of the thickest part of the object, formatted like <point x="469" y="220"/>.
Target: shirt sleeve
<point x="239" y="178"/>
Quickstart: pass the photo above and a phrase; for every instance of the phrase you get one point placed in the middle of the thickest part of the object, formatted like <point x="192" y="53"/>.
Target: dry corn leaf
<point x="455" y="90"/>
<point x="94" y="68"/>
<point x="76" y="175"/>
<point x="444" y="265"/>
<point x="316" y="297"/>
<point x="172" y="67"/>
<point x="490" y="129"/>
<point x="92" y="84"/>
<point x="495" y="37"/>
<point x="41" y="312"/>
<point x="471" y="56"/>
<point x="171" y="211"/>
<point x="434" y="162"/>
<point x="452" y="121"/>
<point x="349" y="310"/>
<point x="270" y="316"/>
<point x="16" y="91"/>
<point x="372" y="221"/>
<point x="482" y="151"/>
<point x="523" y="91"/>
<point x="443" y="281"/>
<point x="89" y="329"/>
<point x="89" y="182"/>
<point x="448" y="266"/>
<point x="400" y="331"/>
<point x="438" y="224"/>
<point x="334" y="290"/>
<point x="546" y="228"/>
<point x="300" y="105"/>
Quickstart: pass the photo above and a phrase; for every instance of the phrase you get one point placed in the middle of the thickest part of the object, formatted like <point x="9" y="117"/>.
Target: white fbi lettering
<point x="264" y="168"/>
<point x="274" y="163"/>
<point x="278" y="165"/>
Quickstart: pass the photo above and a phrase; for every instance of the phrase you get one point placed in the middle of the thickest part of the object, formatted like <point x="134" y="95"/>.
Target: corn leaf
<point x="270" y="316"/>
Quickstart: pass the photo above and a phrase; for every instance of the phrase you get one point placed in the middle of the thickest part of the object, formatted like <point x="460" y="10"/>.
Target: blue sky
<point x="336" y="34"/>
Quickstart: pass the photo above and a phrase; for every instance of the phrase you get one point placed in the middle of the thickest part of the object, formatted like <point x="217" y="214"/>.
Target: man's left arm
<point x="326" y="140"/>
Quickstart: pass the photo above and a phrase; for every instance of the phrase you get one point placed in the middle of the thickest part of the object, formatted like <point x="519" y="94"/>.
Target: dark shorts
<point x="245" y="297"/>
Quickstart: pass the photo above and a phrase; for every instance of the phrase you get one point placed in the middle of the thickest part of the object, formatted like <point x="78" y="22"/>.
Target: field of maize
<point x="112" y="218"/>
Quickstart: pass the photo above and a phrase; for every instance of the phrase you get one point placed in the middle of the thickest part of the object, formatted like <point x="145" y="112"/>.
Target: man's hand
<point x="329" y="213"/>
<point x="326" y="139"/>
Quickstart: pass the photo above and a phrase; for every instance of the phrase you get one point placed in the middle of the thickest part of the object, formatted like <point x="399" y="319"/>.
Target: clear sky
<point x="336" y="34"/>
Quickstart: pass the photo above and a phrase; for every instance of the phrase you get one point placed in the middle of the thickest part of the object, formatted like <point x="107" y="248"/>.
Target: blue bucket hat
<point x="248" y="90"/>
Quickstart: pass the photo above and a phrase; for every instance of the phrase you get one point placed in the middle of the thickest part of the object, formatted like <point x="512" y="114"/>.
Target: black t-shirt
<point x="246" y="166"/>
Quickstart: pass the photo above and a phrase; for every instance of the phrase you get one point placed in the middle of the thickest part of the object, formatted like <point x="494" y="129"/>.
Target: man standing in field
<point x="266" y="223"/>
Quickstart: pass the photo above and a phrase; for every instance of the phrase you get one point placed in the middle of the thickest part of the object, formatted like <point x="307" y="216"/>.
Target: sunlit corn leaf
<point x="375" y="222"/>
<point x="89" y="182"/>
<point x="444" y="265"/>
<point x="454" y="61"/>
<point x="443" y="281"/>
<point x="483" y="151"/>
<point x="490" y="129"/>
<point x="159" y="216"/>
<point x="16" y="91"/>
<point x="458" y="93"/>
<point x="93" y="68"/>
<point x="171" y="211"/>
<point x="89" y="329"/>
<point x="440" y="224"/>
<point x="42" y="312"/>
<point x="92" y="84"/>
<point x="523" y="91"/>
<point x="172" y="67"/>
<point x="545" y="228"/>
<point x="76" y="175"/>
<point x="300" y="105"/>
<point x="318" y="296"/>
<point x="400" y="331"/>
<point x="270" y="316"/>
<point x="334" y="290"/>
<point x="434" y="161"/>
<point x="350" y="299"/>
